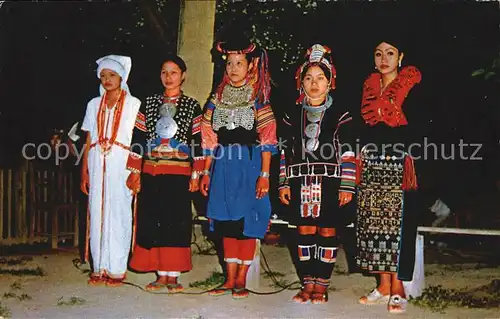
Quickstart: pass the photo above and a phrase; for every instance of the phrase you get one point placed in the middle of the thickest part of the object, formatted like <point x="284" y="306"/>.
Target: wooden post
<point x="24" y="202"/>
<point x="195" y="41"/>
<point x="2" y="190"/>
<point x="54" y="231"/>
<point x="18" y="198"/>
<point x="9" y="204"/>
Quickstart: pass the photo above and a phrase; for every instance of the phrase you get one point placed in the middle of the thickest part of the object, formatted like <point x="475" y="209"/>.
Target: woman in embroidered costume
<point x="171" y="122"/>
<point x="386" y="218"/>
<point x="311" y="175"/>
<point x="109" y="121"/>
<point x="238" y="137"/>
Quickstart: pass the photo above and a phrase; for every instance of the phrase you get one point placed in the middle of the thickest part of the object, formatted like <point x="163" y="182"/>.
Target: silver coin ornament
<point x="168" y="109"/>
<point x="166" y="127"/>
<point x="313" y="116"/>
<point x="312" y="145"/>
<point x="312" y="130"/>
<point x="230" y="121"/>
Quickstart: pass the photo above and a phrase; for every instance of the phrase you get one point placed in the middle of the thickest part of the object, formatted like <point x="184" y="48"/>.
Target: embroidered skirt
<point x="380" y="212"/>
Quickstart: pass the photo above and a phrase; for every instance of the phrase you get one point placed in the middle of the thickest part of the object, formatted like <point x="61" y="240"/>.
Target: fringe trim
<point x="359" y="169"/>
<point x="409" y="175"/>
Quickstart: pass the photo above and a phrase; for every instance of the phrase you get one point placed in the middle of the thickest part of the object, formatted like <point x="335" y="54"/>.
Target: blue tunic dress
<point x="236" y="138"/>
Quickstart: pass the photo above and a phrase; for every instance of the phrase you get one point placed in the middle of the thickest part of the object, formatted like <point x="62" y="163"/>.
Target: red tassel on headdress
<point x="334" y="76"/>
<point x="264" y="78"/>
<point x="409" y="175"/>
<point x="301" y="98"/>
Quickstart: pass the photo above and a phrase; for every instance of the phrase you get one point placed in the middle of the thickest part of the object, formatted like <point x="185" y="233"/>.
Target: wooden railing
<point x="30" y="195"/>
<point x="13" y="205"/>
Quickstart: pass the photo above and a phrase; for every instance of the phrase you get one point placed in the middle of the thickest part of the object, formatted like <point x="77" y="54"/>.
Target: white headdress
<point x="117" y="63"/>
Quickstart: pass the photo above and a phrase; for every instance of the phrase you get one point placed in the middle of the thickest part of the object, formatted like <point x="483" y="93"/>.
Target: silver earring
<point x="399" y="63"/>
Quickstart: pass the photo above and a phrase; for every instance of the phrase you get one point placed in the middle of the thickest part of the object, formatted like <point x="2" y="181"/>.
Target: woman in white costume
<point x="109" y="176"/>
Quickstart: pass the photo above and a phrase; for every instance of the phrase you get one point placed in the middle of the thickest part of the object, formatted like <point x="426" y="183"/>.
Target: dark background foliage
<point x="48" y="54"/>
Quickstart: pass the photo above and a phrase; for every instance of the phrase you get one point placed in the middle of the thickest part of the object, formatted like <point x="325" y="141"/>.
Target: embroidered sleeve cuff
<point x="199" y="163"/>
<point x="348" y="175"/>
<point x="347" y="186"/>
<point x="348" y="155"/>
<point x="134" y="162"/>
<point x="281" y="186"/>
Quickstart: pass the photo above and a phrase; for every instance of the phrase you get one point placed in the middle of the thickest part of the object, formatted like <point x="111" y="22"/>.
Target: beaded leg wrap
<point x="326" y="256"/>
<point x="306" y="252"/>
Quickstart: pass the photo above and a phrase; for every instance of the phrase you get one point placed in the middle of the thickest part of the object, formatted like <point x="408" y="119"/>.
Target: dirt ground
<point x="48" y="296"/>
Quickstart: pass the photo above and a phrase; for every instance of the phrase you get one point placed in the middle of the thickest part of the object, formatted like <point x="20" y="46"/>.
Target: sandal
<point x="175" y="288"/>
<point x="397" y="304"/>
<point x="154" y="286"/>
<point x="320" y="291"/>
<point x="373" y="298"/>
<point x="97" y="280"/>
<point x="302" y="297"/>
<point x="240" y="293"/>
<point x="318" y="298"/>
<point x="220" y="291"/>
<point x="114" y="282"/>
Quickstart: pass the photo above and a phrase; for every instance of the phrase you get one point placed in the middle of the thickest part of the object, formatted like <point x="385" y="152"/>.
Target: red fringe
<point x="359" y="169"/>
<point x="264" y="79"/>
<point x="409" y="175"/>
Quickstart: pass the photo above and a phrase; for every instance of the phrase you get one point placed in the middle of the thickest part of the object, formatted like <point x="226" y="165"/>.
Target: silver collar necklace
<point x="319" y="108"/>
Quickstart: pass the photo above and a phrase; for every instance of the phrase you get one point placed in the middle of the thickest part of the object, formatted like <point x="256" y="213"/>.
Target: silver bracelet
<point x="195" y="175"/>
<point x="264" y="174"/>
<point x="205" y="172"/>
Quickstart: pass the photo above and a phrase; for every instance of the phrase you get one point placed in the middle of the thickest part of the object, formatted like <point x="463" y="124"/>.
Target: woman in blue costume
<point x="238" y="137"/>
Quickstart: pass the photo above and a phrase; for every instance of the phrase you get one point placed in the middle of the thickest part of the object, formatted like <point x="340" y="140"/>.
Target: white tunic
<point x="109" y="197"/>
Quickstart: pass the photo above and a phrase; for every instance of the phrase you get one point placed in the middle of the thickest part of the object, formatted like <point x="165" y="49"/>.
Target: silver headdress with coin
<point x="316" y="55"/>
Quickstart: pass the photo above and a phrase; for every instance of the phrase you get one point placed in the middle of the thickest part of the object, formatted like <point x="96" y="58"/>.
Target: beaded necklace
<point x="106" y="144"/>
